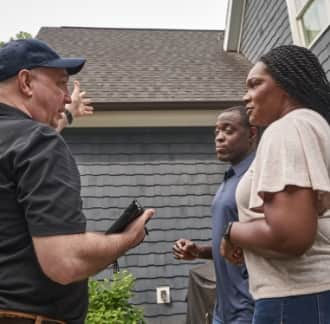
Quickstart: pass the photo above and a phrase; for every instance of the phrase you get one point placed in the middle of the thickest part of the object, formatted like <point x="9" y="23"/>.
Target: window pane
<point x="314" y="20"/>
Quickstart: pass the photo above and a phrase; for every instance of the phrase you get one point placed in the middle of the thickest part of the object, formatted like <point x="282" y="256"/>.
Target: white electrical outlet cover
<point x="163" y="295"/>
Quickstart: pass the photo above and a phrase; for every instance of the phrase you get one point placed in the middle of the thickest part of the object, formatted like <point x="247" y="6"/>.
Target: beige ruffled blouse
<point x="294" y="150"/>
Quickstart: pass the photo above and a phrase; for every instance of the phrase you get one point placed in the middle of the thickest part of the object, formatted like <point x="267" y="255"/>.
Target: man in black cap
<point x="46" y="255"/>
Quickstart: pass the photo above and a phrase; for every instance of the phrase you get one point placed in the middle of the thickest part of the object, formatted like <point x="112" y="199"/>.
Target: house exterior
<point x="255" y="26"/>
<point x="156" y="95"/>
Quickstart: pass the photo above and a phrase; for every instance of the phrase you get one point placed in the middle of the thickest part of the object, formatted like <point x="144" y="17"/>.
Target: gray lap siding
<point x="171" y="169"/>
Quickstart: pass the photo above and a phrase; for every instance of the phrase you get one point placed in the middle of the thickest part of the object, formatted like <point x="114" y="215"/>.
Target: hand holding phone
<point x="133" y="211"/>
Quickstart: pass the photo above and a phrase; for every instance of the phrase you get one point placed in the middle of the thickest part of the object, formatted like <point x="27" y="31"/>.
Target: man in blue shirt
<point x="235" y="142"/>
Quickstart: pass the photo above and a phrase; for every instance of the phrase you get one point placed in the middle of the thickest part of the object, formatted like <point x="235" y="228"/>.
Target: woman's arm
<point x="289" y="226"/>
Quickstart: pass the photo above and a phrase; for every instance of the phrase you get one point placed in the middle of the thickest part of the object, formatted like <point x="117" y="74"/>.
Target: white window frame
<point x="296" y="25"/>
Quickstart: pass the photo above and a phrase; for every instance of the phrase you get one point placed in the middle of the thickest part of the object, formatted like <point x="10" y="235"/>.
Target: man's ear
<point x="24" y="82"/>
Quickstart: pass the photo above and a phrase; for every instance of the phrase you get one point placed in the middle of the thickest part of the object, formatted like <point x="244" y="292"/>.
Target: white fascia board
<point x="149" y="118"/>
<point x="293" y="22"/>
<point x="234" y="23"/>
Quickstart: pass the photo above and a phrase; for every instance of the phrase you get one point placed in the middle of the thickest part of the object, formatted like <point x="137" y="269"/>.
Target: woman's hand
<point x="233" y="254"/>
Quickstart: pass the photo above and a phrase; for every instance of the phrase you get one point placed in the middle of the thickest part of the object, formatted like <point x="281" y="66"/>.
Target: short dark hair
<point x="298" y="72"/>
<point x="242" y="111"/>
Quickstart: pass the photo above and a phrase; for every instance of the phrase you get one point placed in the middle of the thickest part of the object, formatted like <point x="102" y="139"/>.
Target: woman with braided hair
<point x="284" y="198"/>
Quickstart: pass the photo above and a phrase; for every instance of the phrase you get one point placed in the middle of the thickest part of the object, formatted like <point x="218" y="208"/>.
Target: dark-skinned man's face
<point x="232" y="137"/>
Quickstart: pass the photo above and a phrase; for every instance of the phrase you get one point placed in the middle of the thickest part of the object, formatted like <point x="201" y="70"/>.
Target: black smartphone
<point x="133" y="211"/>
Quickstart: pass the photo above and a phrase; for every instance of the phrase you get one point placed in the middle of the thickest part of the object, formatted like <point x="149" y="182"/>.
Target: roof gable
<point x="152" y="65"/>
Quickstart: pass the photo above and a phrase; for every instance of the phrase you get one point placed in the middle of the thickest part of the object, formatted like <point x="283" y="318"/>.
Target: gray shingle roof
<point x="139" y="65"/>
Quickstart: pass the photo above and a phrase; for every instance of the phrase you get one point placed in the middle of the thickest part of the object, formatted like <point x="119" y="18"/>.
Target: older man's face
<point x="50" y="94"/>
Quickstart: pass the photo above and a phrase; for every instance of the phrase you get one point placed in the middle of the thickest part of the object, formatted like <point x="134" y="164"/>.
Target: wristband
<point x="69" y="116"/>
<point x="226" y="235"/>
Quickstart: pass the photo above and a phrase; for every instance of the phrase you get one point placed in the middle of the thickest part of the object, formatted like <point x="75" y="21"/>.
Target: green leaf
<point x="109" y="301"/>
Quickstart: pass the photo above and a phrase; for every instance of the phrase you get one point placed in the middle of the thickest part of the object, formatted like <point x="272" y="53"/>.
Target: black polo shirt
<point x="39" y="196"/>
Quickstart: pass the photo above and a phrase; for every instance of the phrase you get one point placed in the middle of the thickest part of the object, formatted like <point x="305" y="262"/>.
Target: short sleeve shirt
<point x="294" y="150"/>
<point x="39" y="196"/>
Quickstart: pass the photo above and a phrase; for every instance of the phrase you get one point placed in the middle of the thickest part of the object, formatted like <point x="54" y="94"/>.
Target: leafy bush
<point x="108" y="301"/>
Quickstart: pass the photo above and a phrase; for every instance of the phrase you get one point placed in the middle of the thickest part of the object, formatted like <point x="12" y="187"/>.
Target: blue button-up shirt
<point x="234" y="303"/>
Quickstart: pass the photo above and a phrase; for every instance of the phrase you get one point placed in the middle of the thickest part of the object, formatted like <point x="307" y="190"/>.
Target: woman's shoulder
<point x="302" y="121"/>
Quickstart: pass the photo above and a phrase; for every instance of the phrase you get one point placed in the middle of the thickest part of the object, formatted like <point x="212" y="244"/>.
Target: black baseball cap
<point x="32" y="53"/>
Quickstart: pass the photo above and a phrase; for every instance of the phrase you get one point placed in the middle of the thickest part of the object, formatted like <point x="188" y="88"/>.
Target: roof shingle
<point x="152" y="65"/>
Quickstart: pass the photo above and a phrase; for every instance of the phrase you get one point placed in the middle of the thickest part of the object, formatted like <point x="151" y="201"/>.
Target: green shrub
<point x="108" y="301"/>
